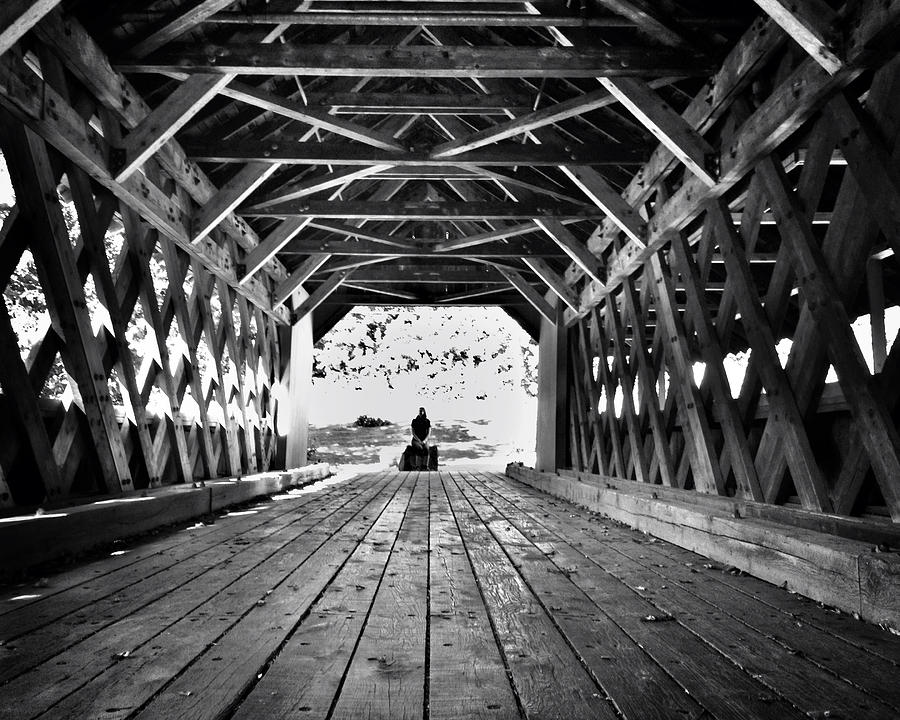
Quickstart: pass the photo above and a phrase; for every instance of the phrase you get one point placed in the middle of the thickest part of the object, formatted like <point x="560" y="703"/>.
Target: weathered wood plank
<point x="17" y="17"/>
<point x="386" y="676"/>
<point x="467" y="674"/>
<point x="309" y="670"/>
<point x="218" y="644"/>
<point x="670" y="587"/>
<point x="421" y="61"/>
<point x="545" y="672"/>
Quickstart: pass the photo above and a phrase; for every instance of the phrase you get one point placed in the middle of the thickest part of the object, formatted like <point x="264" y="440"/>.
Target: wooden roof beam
<point x="287" y="149"/>
<point x="17" y="17"/>
<point x="573" y="247"/>
<point x="300" y="275"/>
<point x="393" y="19"/>
<point x="254" y="260"/>
<point x="352" y="231"/>
<point x="670" y="128"/>
<point x="645" y="18"/>
<point x="421" y="61"/>
<point x="552" y="280"/>
<point x="525" y="123"/>
<point x="167" y="119"/>
<point x="230" y="195"/>
<point x="310" y="186"/>
<point x="184" y="18"/>
<point x="811" y="24"/>
<point x="342" y="246"/>
<point x="439" y="104"/>
<point x="381" y="291"/>
<point x="608" y="200"/>
<point x="491" y="236"/>
<point x="534" y="298"/>
<point x="320" y="294"/>
<point x="401" y="210"/>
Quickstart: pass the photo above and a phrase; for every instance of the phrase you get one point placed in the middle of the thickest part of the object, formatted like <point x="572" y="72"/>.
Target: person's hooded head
<point x="422" y="412"/>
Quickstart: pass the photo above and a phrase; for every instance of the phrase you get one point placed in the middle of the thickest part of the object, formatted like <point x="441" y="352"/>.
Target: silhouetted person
<point x="421" y="427"/>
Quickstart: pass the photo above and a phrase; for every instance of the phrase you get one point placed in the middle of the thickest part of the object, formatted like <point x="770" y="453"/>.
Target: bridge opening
<point x="473" y="368"/>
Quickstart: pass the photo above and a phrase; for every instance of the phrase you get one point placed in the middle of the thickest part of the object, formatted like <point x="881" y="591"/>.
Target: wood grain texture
<point x="440" y="595"/>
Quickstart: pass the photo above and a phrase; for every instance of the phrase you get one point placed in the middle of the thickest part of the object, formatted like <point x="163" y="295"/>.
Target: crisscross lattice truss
<point x="666" y="182"/>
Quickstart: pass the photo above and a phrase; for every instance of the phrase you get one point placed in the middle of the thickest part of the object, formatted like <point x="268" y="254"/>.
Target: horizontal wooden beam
<point x="421" y="61"/>
<point x="412" y="273"/>
<point x="382" y="291"/>
<point x="394" y="19"/>
<point x="287" y="150"/>
<point x="409" y="102"/>
<point x="342" y="246"/>
<point x="399" y="210"/>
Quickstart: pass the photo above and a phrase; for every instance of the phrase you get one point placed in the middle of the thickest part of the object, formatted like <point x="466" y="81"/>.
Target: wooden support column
<point x="295" y="413"/>
<point x="552" y="420"/>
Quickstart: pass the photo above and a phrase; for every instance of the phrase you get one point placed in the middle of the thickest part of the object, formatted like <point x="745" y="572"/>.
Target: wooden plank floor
<point x="428" y="595"/>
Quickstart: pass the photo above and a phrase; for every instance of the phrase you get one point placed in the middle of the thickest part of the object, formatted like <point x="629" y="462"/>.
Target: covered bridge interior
<point x="657" y="191"/>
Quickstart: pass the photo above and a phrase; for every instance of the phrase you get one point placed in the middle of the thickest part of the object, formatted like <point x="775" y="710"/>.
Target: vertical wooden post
<point x="299" y="381"/>
<point x="552" y="381"/>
